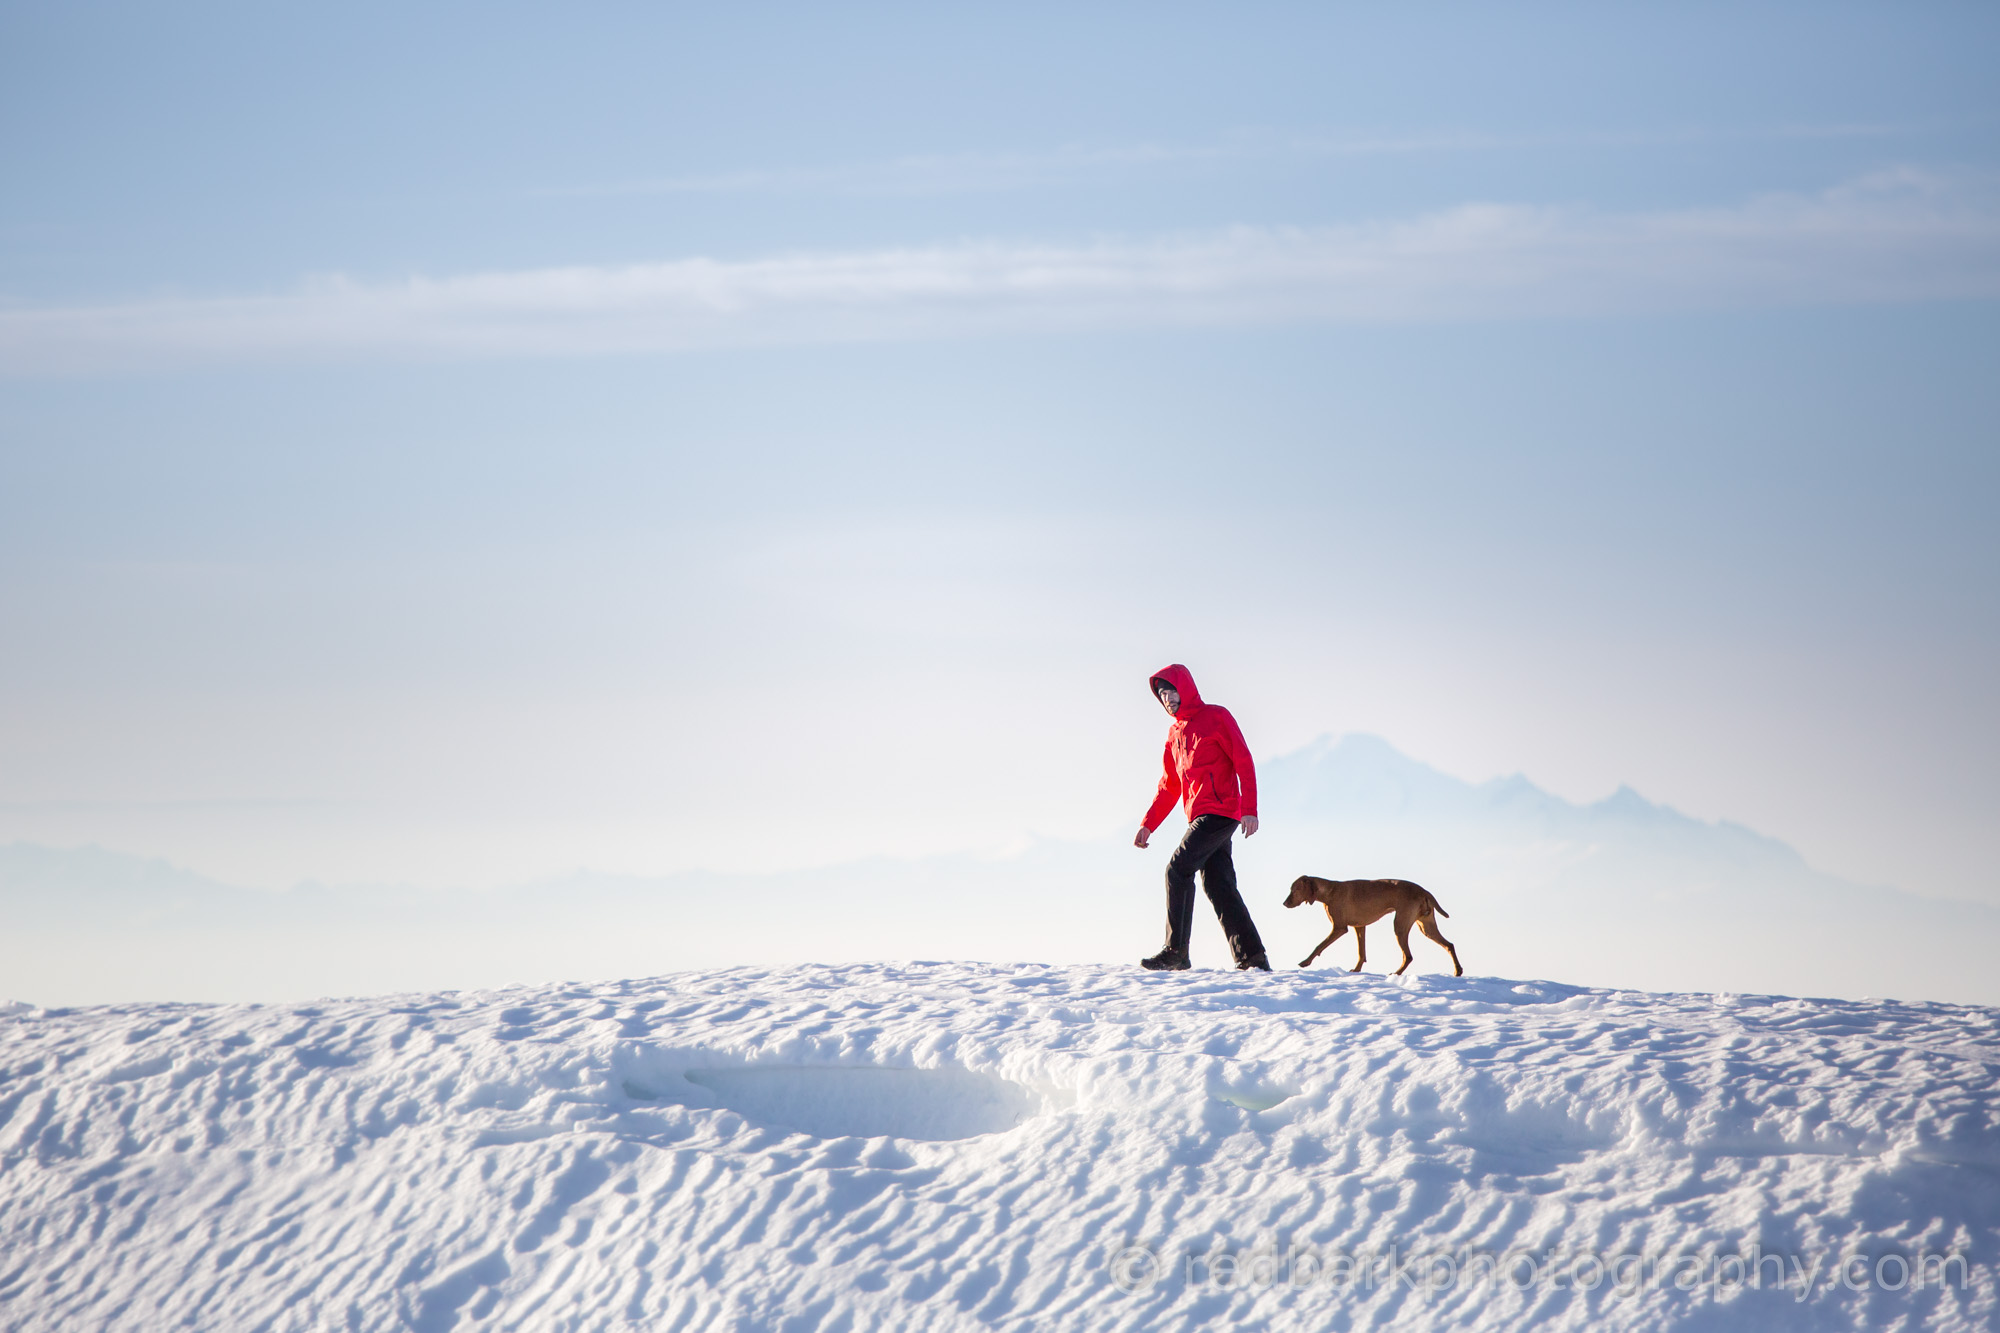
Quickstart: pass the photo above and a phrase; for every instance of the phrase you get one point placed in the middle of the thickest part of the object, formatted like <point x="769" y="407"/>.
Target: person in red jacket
<point x="1209" y="768"/>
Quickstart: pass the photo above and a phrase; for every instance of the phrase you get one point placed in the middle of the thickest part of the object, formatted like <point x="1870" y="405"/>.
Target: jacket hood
<point x="1182" y="680"/>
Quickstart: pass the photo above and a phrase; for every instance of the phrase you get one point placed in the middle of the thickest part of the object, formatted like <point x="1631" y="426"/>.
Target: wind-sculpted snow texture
<point x="1017" y="1147"/>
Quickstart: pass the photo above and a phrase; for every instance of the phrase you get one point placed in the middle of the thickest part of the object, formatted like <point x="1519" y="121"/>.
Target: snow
<point x="961" y="1145"/>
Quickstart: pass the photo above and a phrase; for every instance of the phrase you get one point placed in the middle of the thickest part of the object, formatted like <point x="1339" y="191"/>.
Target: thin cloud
<point x="957" y="173"/>
<point x="1896" y="238"/>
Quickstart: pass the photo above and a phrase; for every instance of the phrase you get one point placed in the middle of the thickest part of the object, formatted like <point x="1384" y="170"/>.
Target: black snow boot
<point x="1256" y="962"/>
<point x="1166" y="960"/>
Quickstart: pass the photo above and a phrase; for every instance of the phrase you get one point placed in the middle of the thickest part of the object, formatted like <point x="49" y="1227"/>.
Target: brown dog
<point x="1359" y="902"/>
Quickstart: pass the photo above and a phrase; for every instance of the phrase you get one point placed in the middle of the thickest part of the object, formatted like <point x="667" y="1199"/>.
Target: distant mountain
<point x="1362" y="780"/>
<point x="1618" y="893"/>
<point x="86" y="925"/>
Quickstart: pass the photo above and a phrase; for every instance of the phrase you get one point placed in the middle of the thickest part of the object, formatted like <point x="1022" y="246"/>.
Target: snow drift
<point x="1009" y="1147"/>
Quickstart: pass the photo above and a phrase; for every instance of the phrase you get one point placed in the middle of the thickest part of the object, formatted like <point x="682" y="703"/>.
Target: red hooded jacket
<point x="1207" y="763"/>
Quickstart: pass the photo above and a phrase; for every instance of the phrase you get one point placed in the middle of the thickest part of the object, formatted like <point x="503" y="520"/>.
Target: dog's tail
<point x="1431" y="904"/>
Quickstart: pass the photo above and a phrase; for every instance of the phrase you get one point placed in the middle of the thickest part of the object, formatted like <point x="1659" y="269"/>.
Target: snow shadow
<point x="829" y="1101"/>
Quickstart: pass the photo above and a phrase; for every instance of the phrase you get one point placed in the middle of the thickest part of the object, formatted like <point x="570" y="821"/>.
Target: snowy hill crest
<point x="964" y="1146"/>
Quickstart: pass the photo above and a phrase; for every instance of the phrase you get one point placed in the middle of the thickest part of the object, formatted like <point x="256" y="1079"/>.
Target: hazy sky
<point x="463" y="445"/>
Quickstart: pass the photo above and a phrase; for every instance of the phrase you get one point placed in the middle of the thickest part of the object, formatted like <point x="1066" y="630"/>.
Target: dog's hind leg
<point x="1428" y="924"/>
<point x="1403" y="941"/>
<point x="1338" y="931"/>
<point x="1360" y="948"/>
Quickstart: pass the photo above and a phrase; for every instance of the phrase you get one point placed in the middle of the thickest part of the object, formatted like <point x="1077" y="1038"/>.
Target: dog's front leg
<point x="1360" y="948"/>
<point x="1338" y="931"/>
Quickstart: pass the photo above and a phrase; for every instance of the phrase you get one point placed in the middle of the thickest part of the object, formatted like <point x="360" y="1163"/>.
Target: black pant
<point x="1206" y="848"/>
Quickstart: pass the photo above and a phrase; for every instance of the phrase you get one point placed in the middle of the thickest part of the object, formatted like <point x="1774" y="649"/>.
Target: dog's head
<point x="1302" y="891"/>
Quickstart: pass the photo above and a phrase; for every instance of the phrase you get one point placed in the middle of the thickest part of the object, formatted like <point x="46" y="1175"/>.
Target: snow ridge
<point x="955" y="1145"/>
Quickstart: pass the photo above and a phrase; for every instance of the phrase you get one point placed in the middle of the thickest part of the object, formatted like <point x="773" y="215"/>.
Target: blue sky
<point x="460" y="446"/>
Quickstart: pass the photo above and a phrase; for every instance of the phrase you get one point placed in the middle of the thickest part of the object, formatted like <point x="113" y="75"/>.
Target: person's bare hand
<point x="1144" y="834"/>
<point x="1249" y="825"/>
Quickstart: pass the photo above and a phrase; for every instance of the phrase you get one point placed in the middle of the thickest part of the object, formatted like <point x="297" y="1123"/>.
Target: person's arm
<point x="1246" y="770"/>
<point x="1163" y="799"/>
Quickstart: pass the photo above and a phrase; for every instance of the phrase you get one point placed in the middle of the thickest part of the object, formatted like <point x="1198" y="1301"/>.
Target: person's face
<point x="1170" y="699"/>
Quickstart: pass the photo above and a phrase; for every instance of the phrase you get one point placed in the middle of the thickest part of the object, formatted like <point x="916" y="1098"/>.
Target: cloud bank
<point x="1900" y="237"/>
